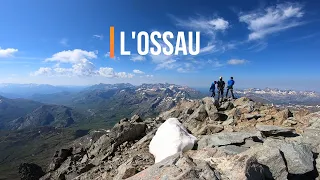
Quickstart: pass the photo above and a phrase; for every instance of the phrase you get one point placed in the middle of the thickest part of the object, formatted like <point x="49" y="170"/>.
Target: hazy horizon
<point x="200" y="88"/>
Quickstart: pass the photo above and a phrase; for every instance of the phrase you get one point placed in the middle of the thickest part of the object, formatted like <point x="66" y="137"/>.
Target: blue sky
<point x="260" y="43"/>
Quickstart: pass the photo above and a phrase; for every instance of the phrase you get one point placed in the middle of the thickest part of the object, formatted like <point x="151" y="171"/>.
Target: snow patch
<point x="170" y="138"/>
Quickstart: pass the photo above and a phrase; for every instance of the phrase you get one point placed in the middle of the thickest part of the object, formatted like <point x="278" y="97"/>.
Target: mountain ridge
<point x="238" y="138"/>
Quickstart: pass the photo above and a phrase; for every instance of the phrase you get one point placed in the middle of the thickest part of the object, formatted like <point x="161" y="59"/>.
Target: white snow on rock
<point x="170" y="138"/>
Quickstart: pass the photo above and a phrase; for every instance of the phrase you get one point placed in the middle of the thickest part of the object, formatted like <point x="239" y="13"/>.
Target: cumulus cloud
<point x="272" y="19"/>
<point x="79" y="62"/>
<point x="237" y="61"/>
<point x="136" y="57"/>
<point x="9" y="52"/>
<point x="137" y="71"/>
<point x="72" y="56"/>
<point x="43" y="71"/>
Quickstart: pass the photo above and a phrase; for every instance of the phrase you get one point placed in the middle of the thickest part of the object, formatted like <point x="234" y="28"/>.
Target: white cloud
<point x="9" y="52"/>
<point x="208" y="49"/>
<point x="258" y="46"/>
<point x="159" y="58"/>
<point x="98" y="36"/>
<point x="300" y="38"/>
<point x="209" y="26"/>
<point x="164" y="61"/>
<point x="169" y="64"/>
<point x="64" y="42"/>
<point x="237" y="61"/>
<point x="136" y="57"/>
<point x="272" y="19"/>
<point x="219" y="24"/>
<point x="42" y="71"/>
<point x="124" y="75"/>
<point x="186" y="68"/>
<point x="110" y="73"/>
<point x="137" y="71"/>
<point x="72" y="56"/>
<point x="80" y="63"/>
<point x="215" y="63"/>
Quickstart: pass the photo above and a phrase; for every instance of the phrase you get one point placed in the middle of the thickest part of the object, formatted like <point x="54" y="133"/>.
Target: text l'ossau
<point x="161" y="43"/>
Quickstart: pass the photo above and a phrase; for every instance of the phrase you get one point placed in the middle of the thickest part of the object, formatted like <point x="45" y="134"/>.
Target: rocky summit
<point x="236" y="140"/>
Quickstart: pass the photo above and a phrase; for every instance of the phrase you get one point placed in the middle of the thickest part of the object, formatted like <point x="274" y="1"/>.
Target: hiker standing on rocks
<point x="213" y="89"/>
<point x="230" y="87"/>
<point x="220" y="86"/>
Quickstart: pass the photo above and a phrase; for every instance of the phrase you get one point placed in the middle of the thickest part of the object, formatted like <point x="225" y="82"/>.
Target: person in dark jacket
<point x="220" y="86"/>
<point x="213" y="89"/>
<point x="230" y="87"/>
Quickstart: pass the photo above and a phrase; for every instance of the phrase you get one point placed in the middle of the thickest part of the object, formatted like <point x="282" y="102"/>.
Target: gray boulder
<point x="299" y="158"/>
<point x="270" y="130"/>
<point x="136" y="118"/>
<point x="211" y="108"/>
<point x="200" y="114"/>
<point x="58" y="158"/>
<point x="226" y="106"/>
<point x="127" y="132"/>
<point x="209" y="129"/>
<point x="226" y="138"/>
<point x="252" y="116"/>
<point x="272" y="159"/>
<point x="281" y="116"/>
<point x="133" y="165"/>
<point x="233" y="149"/>
<point x="178" y="167"/>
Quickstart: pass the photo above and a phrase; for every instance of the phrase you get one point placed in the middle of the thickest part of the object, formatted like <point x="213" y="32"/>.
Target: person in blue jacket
<point x="230" y="87"/>
<point x="213" y="89"/>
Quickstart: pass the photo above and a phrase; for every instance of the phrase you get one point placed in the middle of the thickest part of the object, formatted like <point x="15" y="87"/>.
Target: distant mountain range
<point x="11" y="109"/>
<point x="48" y="115"/>
<point x="62" y="94"/>
<point x="281" y="97"/>
<point x="111" y="102"/>
<point x="27" y="90"/>
<point x="21" y="113"/>
<point x="105" y="104"/>
<point x="101" y="104"/>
